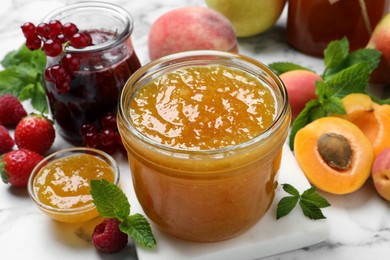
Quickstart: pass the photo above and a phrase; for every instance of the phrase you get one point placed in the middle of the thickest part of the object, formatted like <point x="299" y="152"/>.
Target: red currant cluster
<point x="52" y="37"/>
<point x="105" y="138"/>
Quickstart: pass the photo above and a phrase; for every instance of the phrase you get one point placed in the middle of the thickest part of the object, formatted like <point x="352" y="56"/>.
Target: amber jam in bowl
<point x="60" y="184"/>
<point x="204" y="132"/>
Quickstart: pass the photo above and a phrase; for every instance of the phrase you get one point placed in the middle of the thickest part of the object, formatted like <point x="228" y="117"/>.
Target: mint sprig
<point x="111" y="202"/>
<point x="345" y="73"/>
<point x="23" y="76"/>
<point x="310" y="202"/>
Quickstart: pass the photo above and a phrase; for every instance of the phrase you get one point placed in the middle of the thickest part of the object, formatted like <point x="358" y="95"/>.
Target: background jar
<point x="205" y="195"/>
<point x="312" y="24"/>
<point x="104" y="67"/>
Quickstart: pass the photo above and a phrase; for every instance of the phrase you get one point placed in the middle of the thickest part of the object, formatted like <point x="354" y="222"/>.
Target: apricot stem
<point x="335" y="150"/>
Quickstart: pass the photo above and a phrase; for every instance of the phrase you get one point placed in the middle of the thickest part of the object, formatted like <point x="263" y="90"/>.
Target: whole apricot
<point x="380" y="40"/>
<point x="381" y="173"/>
<point x="334" y="154"/>
<point x="301" y="87"/>
<point x="191" y="28"/>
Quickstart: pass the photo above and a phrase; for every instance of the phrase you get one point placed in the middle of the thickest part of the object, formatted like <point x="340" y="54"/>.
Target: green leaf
<point x="311" y="196"/>
<point x="286" y="205"/>
<point x="281" y="67"/>
<point x="303" y="119"/>
<point x="109" y="200"/>
<point x="290" y="189"/>
<point x="333" y="105"/>
<point x="336" y="52"/>
<point x="371" y="57"/>
<point x="23" y="76"/>
<point x="310" y="202"/>
<point x="353" y="79"/>
<point x="138" y="227"/>
<point x="310" y="210"/>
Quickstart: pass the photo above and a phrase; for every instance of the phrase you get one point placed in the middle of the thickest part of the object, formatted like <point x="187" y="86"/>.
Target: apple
<point x="249" y="17"/>
<point x="380" y="40"/>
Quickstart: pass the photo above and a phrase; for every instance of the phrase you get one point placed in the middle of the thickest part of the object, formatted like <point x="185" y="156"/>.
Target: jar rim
<point x="120" y="12"/>
<point x="174" y="60"/>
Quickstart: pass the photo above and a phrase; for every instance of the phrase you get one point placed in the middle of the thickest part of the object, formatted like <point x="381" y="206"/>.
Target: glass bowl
<point x="65" y="197"/>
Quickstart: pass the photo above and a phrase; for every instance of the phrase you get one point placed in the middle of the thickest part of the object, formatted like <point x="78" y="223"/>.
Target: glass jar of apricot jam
<point x="104" y="66"/>
<point x="204" y="132"/>
<point x="312" y="24"/>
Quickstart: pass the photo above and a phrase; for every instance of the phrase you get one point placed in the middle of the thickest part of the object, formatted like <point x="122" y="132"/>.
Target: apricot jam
<point x="61" y="184"/>
<point x="204" y="132"/>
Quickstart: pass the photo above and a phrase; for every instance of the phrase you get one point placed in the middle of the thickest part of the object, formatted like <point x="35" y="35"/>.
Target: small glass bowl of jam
<point x="204" y="132"/>
<point x="60" y="184"/>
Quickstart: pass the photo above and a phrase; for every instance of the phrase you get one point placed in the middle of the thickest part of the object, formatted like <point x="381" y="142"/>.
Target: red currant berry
<point x="43" y="30"/>
<point x="71" y="63"/>
<point x="69" y="29"/>
<point x="111" y="149"/>
<point x="33" y="42"/>
<point x="88" y="38"/>
<point x="52" y="48"/>
<point x="63" y="86"/>
<point x="91" y="140"/>
<point x="62" y="38"/>
<point x="107" y="137"/>
<point x="28" y="29"/>
<point x="78" y="41"/>
<point x="48" y="75"/>
<point x="57" y="72"/>
<point x="109" y="121"/>
<point x="55" y="28"/>
<point x="88" y="128"/>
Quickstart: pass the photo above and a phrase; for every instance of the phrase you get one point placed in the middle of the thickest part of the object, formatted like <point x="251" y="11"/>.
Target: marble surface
<point x="359" y="222"/>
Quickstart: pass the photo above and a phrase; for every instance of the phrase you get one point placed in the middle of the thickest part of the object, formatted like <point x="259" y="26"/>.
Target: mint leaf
<point x="281" y="67"/>
<point x="303" y="119"/>
<point x="310" y="202"/>
<point x="310" y="210"/>
<point x="333" y="105"/>
<point x="311" y="196"/>
<point x="336" y="52"/>
<point x="109" y="200"/>
<point x="23" y="76"/>
<point x="286" y="205"/>
<point x="290" y="189"/>
<point x="139" y="229"/>
<point x="353" y="79"/>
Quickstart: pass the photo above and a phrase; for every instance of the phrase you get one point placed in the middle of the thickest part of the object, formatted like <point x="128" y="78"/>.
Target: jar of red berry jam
<point x="102" y="68"/>
<point x="312" y="24"/>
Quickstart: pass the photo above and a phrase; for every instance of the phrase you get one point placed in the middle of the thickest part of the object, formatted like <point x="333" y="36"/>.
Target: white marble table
<point x="359" y="222"/>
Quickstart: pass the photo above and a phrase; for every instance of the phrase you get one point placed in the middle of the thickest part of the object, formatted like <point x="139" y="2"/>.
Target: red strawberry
<point x="6" y="141"/>
<point x="16" y="166"/>
<point x="35" y="133"/>
<point x="11" y="110"/>
<point x="107" y="236"/>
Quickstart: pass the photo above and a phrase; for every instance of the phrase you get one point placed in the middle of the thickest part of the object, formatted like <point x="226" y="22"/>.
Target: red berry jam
<point x="95" y="86"/>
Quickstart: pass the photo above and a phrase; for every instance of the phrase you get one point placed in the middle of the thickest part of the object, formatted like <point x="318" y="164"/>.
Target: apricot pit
<point x="334" y="154"/>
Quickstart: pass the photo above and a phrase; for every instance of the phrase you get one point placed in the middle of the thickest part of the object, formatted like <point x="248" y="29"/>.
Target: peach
<point x="191" y="28"/>
<point x="381" y="173"/>
<point x="301" y="86"/>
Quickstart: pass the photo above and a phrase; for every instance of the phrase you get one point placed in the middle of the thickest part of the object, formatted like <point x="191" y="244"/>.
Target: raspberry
<point x="11" y="110"/>
<point x="6" y="141"/>
<point x="107" y="236"/>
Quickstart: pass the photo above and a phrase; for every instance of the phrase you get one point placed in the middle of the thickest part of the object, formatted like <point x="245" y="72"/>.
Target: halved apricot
<point x="334" y="154"/>
<point x="372" y="119"/>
